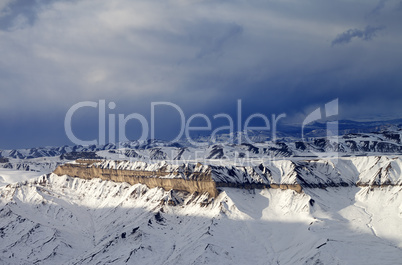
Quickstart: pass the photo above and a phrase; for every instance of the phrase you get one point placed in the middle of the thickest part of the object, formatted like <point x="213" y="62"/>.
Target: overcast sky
<point x="277" y="56"/>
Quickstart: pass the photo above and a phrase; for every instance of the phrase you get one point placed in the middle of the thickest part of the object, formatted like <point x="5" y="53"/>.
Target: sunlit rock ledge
<point x="373" y="171"/>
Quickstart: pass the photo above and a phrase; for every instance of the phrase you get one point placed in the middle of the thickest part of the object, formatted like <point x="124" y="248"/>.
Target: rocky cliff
<point x="193" y="182"/>
<point x="375" y="171"/>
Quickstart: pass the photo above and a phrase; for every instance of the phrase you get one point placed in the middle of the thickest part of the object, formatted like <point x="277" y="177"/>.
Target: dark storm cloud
<point x="399" y="7"/>
<point x="17" y="13"/>
<point x="275" y="56"/>
<point x="366" y="34"/>
<point x="378" y="7"/>
<point x="221" y="35"/>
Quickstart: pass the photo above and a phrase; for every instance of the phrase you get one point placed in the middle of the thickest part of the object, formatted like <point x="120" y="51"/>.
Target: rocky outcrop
<point x="196" y="182"/>
<point x="187" y="177"/>
<point x="375" y="171"/>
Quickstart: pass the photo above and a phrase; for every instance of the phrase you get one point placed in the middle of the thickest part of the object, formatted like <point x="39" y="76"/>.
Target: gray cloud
<point x="378" y="7"/>
<point x="366" y="34"/>
<point x="215" y="39"/>
<point x="201" y="55"/>
<point x="383" y="4"/>
<point x="15" y="14"/>
<point x="399" y="7"/>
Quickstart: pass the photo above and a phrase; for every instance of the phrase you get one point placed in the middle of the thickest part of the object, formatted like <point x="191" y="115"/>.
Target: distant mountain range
<point x="355" y="138"/>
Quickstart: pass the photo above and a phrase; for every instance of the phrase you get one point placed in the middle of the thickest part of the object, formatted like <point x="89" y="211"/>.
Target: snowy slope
<point x="346" y="171"/>
<point x="349" y="211"/>
<point x="63" y="220"/>
<point x="9" y="176"/>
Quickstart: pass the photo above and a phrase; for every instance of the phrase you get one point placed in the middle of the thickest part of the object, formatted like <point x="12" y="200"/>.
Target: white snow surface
<point x="18" y="170"/>
<point x="365" y="170"/>
<point x="64" y="220"/>
<point x="8" y="176"/>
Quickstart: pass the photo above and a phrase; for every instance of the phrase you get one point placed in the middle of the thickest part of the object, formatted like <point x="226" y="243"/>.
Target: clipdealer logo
<point x="107" y="123"/>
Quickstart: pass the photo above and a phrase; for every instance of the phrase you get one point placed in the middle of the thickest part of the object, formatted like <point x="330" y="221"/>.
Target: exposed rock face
<point x="4" y="160"/>
<point x="187" y="177"/>
<point x="195" y="182"/>
<point x="375" y="171"/>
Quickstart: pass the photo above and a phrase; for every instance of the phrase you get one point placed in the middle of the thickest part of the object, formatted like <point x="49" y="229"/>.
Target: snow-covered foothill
<point x="64" y="220"/>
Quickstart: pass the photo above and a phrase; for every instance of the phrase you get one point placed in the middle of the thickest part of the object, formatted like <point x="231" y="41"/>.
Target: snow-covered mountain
<point x="317" y="201"/>
<point x="370" y="171"/>
<point x="386" y="141"/>
<point x="64" y="220"/>
<point x="46" y="159"/>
